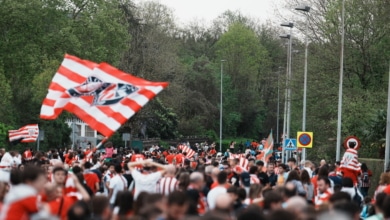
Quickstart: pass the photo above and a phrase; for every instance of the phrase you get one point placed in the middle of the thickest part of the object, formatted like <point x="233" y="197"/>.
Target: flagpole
<point x="387" y="149"/>
<point x="101" y="142"/>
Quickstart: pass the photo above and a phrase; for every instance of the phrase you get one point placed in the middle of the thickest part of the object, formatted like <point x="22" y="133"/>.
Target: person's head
<point x="87" y="165"/>
<point x="170" y="170"/>
<point x="124" y="200"/>
<point x="178" y="203"/>
<point x="296" y="205"/>
<point x="223" y="202"/>
<point x="339" y="197"/>
<point x="111" y="168"/>
<point x="379" y="200"/>
<point x="222" y="178"/>
<point x="291" y="162"/>
<point x="347" y="182"/>
<point x="384" y="179"/>
<point x="270" y="168"/>
<point x="101" y="206"/>
<point x="323" y="162"/>
<point x="253" y="170"/>
<point x="214" y="173"/>
<point x="197" y="180"/>
<point x="323" y="184"/>
<point x="35" y="177"/>
<point x="260" y="165"/>
<point x="290" y="190"/>
<point x="350" y="208"/>
<point x="59" y="175"/>
<point x="184" y="180"/>
<point x="108" y="145"/>
<point x="282" y="168"/>
<point x="305" y="177"/>
<point x="281" y="214"/>
<point x="272" y="200"/>
<point x="364" y="167"/>
<point x="79" y="211"/>
<point x="51" y="191"/>
<point x="293" y="175"/>
<point x="252" y="212"/>
<point x="118" y="168"/>
<point x="323" y="171"/>
<point x="234" y="162"/>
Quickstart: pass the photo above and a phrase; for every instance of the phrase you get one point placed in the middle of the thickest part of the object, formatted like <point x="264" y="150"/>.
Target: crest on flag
<point x="103" y="93"/>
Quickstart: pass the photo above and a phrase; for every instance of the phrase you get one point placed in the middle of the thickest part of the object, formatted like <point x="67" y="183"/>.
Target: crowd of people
<point x="171" y="184"/>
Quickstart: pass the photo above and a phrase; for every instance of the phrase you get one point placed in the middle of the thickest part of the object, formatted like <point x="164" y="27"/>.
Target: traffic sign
<point x="290" y="144"/>
<point x="305" y="139"/>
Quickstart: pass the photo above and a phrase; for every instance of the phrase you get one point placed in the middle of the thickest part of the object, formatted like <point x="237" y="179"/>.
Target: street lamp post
<point x="288" y="85"/>
<point x="220" y="112"/>
<point x="338" y="144"/>
<point x="278" y="109"/>
<point x="306" y="10"/>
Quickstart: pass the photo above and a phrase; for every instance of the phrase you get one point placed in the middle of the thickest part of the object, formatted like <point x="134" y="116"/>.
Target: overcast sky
<point x="207" y="10"/>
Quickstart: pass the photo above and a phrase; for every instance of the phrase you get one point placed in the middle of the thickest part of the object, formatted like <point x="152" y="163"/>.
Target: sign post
<point x="41" y="136"/>
<point x="125" y="138"/>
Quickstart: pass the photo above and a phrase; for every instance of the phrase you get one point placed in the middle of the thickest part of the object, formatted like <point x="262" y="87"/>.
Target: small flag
<point x="26" y="134"/>
<point x="268" y="147"/>
<point x="188" y="150"/>
<point x="99" y="94"/>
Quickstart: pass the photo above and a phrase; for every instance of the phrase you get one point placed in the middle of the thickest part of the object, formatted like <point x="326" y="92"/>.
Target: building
<point x="82" y="133"/>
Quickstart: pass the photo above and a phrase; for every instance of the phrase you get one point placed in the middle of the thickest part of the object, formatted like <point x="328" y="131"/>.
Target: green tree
<point x="245" y="55"/>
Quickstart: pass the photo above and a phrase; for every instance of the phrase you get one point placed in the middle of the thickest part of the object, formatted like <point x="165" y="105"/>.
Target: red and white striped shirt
<point x="322" y="198"/>
<point x="166" y="185"/>
<point x="254" y="179"/>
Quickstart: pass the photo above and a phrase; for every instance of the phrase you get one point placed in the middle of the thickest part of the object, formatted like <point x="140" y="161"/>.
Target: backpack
<point x="356" y="198"/>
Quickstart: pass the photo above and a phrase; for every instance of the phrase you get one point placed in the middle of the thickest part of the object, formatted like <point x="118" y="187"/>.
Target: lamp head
<point x="285" y="36"/>
<point x="287" y="24"/>
<point x="304" y="8"/>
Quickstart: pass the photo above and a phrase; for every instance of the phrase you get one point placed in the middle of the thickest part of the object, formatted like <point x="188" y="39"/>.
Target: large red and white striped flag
<point x="26" y="134"/>
<point x="99" y="94"/>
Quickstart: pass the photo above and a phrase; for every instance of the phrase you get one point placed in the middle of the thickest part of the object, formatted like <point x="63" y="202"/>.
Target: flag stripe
<point x="90" y="120"/>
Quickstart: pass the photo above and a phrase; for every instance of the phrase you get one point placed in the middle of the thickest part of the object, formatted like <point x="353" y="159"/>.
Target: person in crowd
<point x="219" y="189"/>
<point x="272" y="177"/>
<point x="117" y="184"/>
<point x="198" y="202"/>
<point x="177" y="206"/>
<point x="364" y="179"/>
<point x="378" y="208"/>
<point x="307" y="186"/>
<point x="146" y="181"/>
<point x="23" y="200"/>
<point x="123" y="207"/>
<point x="282" y="176"/>
<point x="348" y="187"/>
<point x="263" y="177"/>
<point x="168" y="183"/>
<point x="324" y="191"/>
